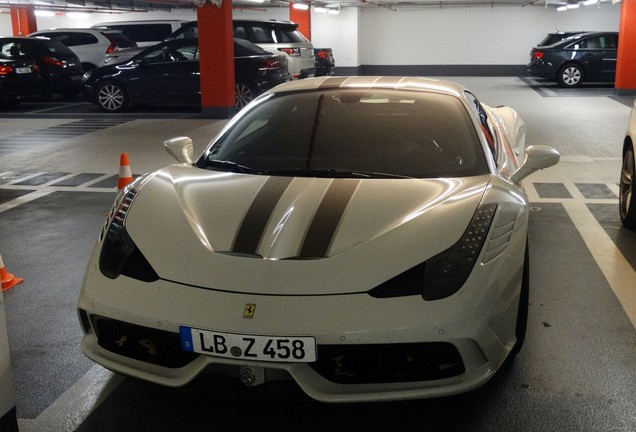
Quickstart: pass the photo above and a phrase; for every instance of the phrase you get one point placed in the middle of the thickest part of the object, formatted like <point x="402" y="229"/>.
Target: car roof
<point x="373" y="82"/>
<point x="76" y="29"/>
<point x="263" y="21"/>
<point x="584" y="34"/>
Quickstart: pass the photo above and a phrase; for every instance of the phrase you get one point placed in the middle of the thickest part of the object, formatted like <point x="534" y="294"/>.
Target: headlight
<point x="119" y="253"/>
<point x="444" y="274"/>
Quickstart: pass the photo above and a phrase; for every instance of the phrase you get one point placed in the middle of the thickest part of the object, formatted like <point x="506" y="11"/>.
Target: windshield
<point x="352" y="133"/>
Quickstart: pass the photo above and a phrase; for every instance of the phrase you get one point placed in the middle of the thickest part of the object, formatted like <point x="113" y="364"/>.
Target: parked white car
<point x="90" y="45"/>
<point x="363" y="236"/>
<point x="626" y="201"/>
<point x="274" y="36"/>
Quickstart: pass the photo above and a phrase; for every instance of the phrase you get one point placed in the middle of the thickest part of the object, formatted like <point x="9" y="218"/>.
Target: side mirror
<point x="180" y="148"/>
<point x="537" y="157"/>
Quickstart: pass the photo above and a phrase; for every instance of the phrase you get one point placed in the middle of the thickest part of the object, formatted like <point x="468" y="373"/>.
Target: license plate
<point x="287" y="349"/>
<point x="23" y="70"/>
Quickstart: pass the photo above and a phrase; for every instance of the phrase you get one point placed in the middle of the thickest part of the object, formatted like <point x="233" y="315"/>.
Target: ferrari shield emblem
<point x="249" y="311"/>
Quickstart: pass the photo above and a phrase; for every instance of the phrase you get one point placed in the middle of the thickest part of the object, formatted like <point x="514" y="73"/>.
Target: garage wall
<point x="469" y="36"/>
<point x="5" y="23"/>
<point x="447" y="40"/>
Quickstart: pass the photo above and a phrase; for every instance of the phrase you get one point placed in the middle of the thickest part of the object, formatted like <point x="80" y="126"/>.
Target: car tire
<point x="570" y="75"/>
<point x="111" y="97"/>
<point x="244" y="94"/>
<point x="626" y="203"/>
<point x="524" y="302"/>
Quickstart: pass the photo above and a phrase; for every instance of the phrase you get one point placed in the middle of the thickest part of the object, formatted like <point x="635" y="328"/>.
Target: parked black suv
<point x="583" y="57"/>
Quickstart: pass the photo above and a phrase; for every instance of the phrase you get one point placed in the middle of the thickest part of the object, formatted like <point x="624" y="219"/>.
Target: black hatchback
<point x="168" y="74"/>
<point x="60" y="68"/>
<point x="589" y="56"/>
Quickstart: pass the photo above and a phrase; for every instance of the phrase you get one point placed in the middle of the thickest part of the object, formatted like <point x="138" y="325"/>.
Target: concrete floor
<point x="577" y="371"/>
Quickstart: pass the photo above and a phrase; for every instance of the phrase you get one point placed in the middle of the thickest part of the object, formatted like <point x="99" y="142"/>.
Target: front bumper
<point x="419" y="350"/>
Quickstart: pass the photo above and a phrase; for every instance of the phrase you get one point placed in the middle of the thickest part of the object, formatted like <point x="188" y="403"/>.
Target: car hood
<point x="263" y="234"/>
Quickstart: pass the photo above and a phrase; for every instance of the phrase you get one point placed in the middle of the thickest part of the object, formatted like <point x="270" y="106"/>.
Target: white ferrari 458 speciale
<point x="363" y="236"/>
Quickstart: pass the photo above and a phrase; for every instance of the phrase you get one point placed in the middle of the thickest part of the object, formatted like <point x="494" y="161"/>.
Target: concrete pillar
<point x="302" y="18"/>
<point x="625" y="83"/>
<point x="216" y="60"/>
<point x="8" y="417"/>
<point x="23" y="20"/>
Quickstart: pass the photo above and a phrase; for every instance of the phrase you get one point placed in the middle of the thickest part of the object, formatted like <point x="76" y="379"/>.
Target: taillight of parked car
<point x="292" y="52"/>
<point x="111" y="49"/>
<point x="267" y="65"/>
<point x="323" y="55"/>
<point x="537" y="55"/>
<point x="52" y="61"/>
<point x="5" y="70"/>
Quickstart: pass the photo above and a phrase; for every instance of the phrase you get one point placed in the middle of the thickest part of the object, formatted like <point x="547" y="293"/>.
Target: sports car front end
<point x="360" y="286"/>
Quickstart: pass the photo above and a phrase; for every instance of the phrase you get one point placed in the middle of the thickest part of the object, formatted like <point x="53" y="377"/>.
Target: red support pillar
<point x="216" y="60"/>
<point x="23" y="20"/>
<point x="626" y="61"/>
<point x="302" y="18"/>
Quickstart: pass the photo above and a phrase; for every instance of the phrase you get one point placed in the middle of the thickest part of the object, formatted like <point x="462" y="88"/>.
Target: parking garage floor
<point x="577" y="371"/>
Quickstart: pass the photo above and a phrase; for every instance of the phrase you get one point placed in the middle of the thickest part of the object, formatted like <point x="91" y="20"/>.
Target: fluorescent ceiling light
<point x="562" y="8"/>
<point x="573" y="6"/>
<point x="590" y="2"/>
<point x="333" y="11"/>
<point x="320" y="9"/>
<point x="301" y="6"/>
<point x="77" y="15"/>
<point x="44" y="13"/>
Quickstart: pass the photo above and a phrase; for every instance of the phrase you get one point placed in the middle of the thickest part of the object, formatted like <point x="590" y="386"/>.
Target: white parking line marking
<point x="617" y="271"/>
<point x="70" y="410"/>
<point x="24" y="199"/>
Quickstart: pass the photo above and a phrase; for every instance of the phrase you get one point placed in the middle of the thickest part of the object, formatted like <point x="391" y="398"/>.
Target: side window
<point x="593" y="42"/>
<point x="61" y="37"/>
<point x="262" y="34"/>
<point x="184" y="53"/>
<point x="76" y="39"/>
<point x="486" y="127"/>
<point x="608" y="42"/>
<point x="240" y="31"/>
<point x="158" y="55"/>
<point x="166" y="55"/>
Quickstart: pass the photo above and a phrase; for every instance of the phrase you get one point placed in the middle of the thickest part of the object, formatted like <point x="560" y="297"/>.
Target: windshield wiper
<point x="332" y="173"/>
<point x="230" y="166"/>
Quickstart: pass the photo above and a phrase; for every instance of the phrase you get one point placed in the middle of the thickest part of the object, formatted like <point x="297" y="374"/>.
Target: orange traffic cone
<point x="125" y="175"/>
<point x="8" y="280"/>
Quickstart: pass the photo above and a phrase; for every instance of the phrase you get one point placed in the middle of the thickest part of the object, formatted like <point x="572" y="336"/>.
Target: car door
<point x="598" y="54"/>
<point x="168" y="74"/>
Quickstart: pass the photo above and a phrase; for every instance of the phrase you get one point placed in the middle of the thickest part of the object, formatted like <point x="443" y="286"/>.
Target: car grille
<point x="388" y="363"/>
<point x="141" y="343"/>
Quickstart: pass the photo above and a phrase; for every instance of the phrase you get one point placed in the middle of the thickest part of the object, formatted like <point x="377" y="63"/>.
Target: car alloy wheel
<point x="626" y="205"/>
<point x="570" y="76"/>
<point x="244" y="95"/>
<point x="111" y="97"/>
